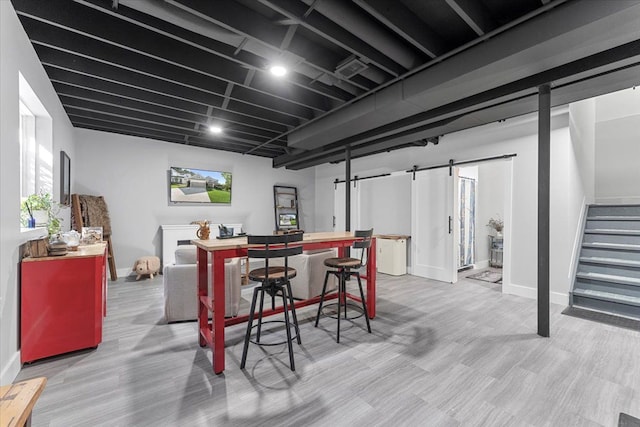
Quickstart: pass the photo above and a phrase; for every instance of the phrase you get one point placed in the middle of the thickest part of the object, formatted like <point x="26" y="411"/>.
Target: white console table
<point x="175" y="235"/>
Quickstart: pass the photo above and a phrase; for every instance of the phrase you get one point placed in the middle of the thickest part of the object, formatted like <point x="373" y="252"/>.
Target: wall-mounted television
<point x="288" y="220"/>
<point x="188" y="185"/>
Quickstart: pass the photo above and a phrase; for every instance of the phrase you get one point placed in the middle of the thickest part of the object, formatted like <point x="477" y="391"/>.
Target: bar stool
<point x="275" y="280"/>
<point x="343" y="269"/>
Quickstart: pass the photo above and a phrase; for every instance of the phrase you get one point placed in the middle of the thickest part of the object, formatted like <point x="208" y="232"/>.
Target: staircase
<point x="608" y="274"/>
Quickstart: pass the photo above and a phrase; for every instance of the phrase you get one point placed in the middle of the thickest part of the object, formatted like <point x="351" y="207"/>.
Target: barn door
<point x="433" y="232"/>
<point x="339" y="207"/>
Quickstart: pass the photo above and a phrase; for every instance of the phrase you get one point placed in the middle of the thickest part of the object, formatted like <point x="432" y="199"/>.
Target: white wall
<point x="17" y="55"/>
<point x="384" y="204"/>
<point x="519" y="136"/>
<point x="617" y="135"/>
<point x="132" y="175"/>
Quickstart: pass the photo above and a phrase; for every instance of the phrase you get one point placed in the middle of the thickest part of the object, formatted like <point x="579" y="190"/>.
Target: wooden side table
<point x="17" y="401"/>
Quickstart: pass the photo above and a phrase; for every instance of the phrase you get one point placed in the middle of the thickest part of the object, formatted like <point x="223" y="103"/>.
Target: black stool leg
<point x="247" y="336"/>
<point x="364" y="303"/>
<point x="341" y="286"/>
<point x="324" y="290"/>
<point x="260" y="312"/>
<point x="287" y="324"/>
<point x="347" y="276"/>
<point x="293" y="311"/>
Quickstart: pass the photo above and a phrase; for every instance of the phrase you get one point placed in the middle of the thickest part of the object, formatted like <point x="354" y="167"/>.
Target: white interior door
<point x="339" y="204"/>
<point x="434" y="212"/>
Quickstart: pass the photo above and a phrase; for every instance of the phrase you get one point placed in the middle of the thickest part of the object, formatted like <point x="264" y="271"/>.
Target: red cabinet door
<point x="62" y="305"/>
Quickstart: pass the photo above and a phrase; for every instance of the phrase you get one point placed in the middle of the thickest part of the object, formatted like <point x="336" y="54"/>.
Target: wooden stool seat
<point x="343" y="262"/>
<point x="17" y="401"/>
<point x="272" y="273"/>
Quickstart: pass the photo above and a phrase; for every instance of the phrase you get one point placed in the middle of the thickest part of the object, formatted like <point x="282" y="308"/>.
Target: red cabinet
<point x="62" y="302"/>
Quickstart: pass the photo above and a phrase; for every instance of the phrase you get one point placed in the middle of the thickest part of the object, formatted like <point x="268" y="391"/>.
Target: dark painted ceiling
<point x="376" y="75"/>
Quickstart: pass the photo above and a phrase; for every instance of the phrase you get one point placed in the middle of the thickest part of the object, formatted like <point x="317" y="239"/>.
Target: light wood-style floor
<point x="439" y="355"/>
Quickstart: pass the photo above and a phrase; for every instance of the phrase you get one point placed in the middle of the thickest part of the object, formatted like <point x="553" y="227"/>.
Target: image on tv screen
<point x="288" y="220"/>
<point x="189" y="185"/>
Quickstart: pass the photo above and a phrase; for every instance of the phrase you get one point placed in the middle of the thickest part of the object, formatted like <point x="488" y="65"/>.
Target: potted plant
<point x="42" y="211"/>
<point x="497" y="224"/>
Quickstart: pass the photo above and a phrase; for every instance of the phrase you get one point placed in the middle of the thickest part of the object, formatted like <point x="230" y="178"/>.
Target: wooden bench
<point x="17" y="401"/>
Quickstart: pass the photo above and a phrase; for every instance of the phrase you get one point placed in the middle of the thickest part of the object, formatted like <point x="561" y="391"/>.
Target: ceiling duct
<point x="350" y="67"/>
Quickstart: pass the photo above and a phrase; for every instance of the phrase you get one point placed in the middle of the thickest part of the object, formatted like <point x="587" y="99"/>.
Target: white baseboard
<point x="122" y="272"/>
<point x="11" y="370"/>
<point x="532" y="293"/>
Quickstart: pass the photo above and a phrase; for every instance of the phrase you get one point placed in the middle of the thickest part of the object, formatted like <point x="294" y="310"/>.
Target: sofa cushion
<point x="186" y="254"/>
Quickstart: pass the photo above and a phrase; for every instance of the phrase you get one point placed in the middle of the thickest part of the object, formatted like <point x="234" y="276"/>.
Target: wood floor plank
<point x="439" y="355"/>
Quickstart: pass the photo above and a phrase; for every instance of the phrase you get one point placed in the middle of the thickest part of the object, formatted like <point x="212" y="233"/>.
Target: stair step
<point x="611" y="261"/>
<point x="619" y="246"/>
<point x="608" y="296"/>
<point x="612" y="231"/>
<point x="613" y="218"/>
<point x="609" y="278"/>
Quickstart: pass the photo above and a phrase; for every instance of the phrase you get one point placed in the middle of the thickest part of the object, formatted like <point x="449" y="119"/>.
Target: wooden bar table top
<point x="17" y="401"/>
<point x="212" y="333"/>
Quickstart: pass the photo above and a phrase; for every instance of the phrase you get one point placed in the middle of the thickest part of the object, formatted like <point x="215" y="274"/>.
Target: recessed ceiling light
<point x="215" y="129"/>
<point x="278" y="70"/>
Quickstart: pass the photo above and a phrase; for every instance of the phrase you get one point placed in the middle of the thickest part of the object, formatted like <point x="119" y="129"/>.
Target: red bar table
<point x="212" y="333"/>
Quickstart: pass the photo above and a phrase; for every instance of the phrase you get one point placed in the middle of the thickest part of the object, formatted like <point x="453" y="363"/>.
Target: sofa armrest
<point x="181" y="287"/>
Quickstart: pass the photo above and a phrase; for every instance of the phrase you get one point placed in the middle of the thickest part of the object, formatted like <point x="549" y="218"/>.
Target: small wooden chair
<point x="343" y="269"/>
<point x="275" y="280"/>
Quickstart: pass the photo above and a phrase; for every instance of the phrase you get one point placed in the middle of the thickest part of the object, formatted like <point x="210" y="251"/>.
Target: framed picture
<point x="65" y="179"/>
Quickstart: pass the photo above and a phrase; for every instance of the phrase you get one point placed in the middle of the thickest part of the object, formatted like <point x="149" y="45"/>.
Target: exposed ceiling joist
<point x="474" y="14"/>
<point x="402" y="21"/>
<point x="238" y="18"/>
<point x="325" y="28"/>
<point x="408" y="69"/>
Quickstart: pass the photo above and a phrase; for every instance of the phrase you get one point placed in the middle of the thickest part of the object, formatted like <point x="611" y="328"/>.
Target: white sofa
<point x="181" y="288"/>
<point x="310" y="272"/>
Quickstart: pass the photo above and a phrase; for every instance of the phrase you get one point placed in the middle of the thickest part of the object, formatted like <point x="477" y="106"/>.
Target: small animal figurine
<point x="203" y="231"/>
<point x="147" y="265"/>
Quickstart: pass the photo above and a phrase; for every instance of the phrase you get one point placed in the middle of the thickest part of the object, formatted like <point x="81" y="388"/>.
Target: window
<point x="28" y="159"/>
<point x="35" y="136"/>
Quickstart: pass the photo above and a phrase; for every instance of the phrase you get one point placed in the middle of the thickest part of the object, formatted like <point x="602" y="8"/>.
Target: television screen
<point x="288" y="220"/>
<point x="199" y="186"/>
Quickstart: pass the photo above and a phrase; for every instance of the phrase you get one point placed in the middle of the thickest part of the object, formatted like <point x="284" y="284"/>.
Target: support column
<point x="544" y="179"/>
<point x="347" y="188"/>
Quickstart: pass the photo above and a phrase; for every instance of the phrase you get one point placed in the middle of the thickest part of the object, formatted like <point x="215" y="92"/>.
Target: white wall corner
<point x="11" y="369"/>
<point x="560" y="298"/>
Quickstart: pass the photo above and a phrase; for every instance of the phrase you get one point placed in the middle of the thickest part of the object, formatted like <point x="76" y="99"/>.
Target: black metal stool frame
<point x="343" y="272"/>
<point x="273" y="286"/>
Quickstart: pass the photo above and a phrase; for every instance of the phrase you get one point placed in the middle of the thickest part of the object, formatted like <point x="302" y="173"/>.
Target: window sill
<point x="33" y="233"/>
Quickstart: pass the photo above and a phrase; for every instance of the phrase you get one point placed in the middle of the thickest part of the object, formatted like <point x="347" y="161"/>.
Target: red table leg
<point x="203" y="311"/>
<point x="218" y="311"/>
